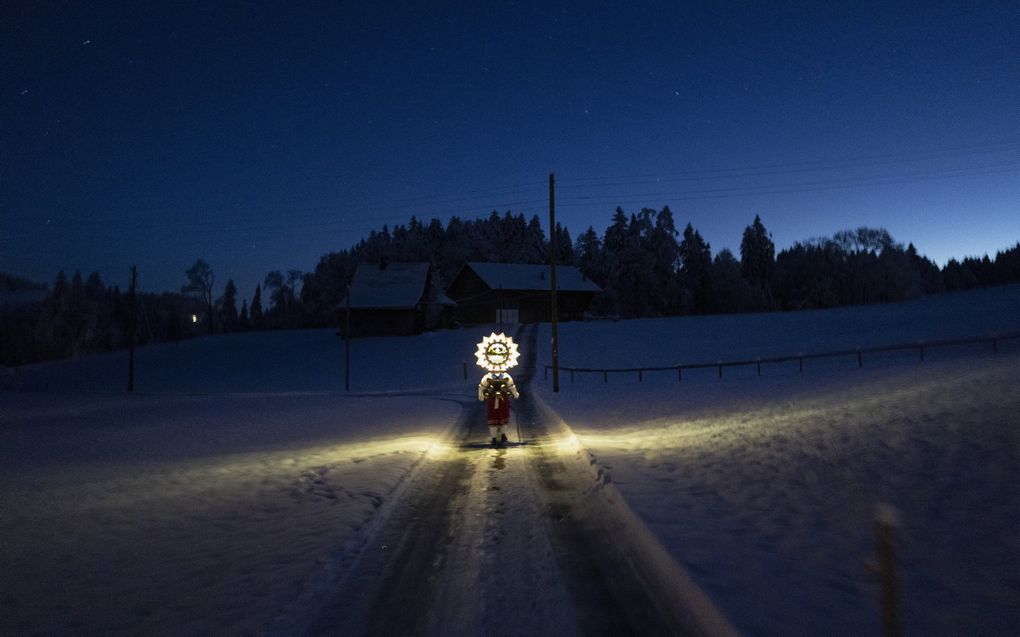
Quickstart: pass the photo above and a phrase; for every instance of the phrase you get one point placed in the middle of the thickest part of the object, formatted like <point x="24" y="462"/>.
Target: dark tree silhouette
<point x="564" y="246"/>
<point x="257" y="316"/>
<point x="732" y="292"/>
<point x="662" y="242"/>
<point x="641" y="268"/>
<point x="243" y="322"/>
<point x="695" y="279"/>
<point x="228" y="307"/>
<point x="281" y="296"/>
<point x="200" y="284"/>
<point x="172" y="330"/>
<point x="758" y="257"/>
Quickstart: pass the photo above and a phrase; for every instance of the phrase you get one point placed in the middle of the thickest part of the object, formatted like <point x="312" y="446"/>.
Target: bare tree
<point x="200" y="284"/>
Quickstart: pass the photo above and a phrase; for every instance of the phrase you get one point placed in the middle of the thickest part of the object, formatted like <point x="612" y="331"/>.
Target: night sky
<point x="262" y="137"/>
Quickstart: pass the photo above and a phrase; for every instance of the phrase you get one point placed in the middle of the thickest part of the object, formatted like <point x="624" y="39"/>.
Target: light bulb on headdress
<point x="497" y="353"/>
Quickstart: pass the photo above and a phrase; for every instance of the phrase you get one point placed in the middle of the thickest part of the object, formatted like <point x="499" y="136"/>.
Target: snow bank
<point x="764" y="488"/>
<point x="629" y="534"/>
<point x="213" y="497"/>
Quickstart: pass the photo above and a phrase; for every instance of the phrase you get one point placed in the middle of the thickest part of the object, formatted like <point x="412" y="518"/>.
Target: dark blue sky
<point x="260" y="138"/>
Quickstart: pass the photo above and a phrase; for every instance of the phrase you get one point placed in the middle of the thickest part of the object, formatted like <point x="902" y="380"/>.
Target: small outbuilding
<point x="518" y="293"/>
<point x="389" y="299"/>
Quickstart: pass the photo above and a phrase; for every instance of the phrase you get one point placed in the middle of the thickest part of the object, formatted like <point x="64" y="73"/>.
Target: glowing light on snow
<point x="497" y="353"/>
<point x="568" y="445"/>
<point x="439" y="449"/>
<point x="665" y="434"/>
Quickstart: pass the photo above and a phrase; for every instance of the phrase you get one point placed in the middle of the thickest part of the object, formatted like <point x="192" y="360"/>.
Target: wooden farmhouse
<point x="394" y="299"/>
<point x="519" y="292"/>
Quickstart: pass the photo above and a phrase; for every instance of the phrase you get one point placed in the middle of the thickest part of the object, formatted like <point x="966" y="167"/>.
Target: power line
<point x="811" y="186"/>
<point x="201" y="230"/>
<point x="261" y="233"/>
<point x="209" y="229"/>
<point x="217" y="227"/>
<point x="215" y="222"/>
<point x="216" y="218"/>
<point x="225" y="213"/>
<point x="801" y="166"/>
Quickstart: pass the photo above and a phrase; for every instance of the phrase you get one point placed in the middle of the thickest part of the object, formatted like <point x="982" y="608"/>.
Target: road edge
<point x="669" y="585"/>
<point x="296" y="615"/>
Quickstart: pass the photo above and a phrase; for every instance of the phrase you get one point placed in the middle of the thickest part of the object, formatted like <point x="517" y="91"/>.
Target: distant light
<point x="194" y="318"/>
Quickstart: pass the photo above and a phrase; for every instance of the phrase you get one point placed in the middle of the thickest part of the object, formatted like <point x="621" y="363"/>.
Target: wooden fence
<point x="859" y="352"/>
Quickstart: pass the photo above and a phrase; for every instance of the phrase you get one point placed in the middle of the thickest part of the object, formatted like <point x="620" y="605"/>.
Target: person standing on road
<point x="496" y="388"/>
<point x="496" y="354"/>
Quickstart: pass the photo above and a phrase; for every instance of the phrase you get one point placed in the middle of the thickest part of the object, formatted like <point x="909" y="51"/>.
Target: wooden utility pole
<point x="552" y="285"/>
<point x="887" y="524"/>
<point x="132" y="328"/>
<point x="347" y="343"/>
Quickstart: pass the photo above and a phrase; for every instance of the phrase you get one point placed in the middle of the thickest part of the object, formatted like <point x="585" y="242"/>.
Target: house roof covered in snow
<point x="522" y="276"/>
<point x="391" y="286"/>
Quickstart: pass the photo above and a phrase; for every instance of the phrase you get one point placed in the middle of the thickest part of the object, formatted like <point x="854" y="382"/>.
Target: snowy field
<point x="286" y="361"/>
<point x="211" y="499"/>
<point x="763" y="488"/>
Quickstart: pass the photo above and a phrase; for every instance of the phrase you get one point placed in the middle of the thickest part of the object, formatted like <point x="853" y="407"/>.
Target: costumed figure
<point x="496" y="354"/>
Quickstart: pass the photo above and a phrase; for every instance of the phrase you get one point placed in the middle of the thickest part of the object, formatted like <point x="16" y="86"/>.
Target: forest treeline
<point x="645" y="265"/>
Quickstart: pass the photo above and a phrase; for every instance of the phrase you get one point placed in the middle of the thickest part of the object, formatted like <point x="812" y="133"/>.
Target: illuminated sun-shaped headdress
<point x="497" y="352"/>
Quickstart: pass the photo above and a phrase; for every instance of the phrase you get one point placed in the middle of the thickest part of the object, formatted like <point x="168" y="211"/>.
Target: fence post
<point x="465" y="369"/>
<point x="920" y="345"/>
<point x="887" y="521"/>
<point x="545" y="375"/>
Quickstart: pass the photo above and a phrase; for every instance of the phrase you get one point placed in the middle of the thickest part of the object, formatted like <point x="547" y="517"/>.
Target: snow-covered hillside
<point x="697" y="339"/>
<point x="764" y="487"/>
<point x="214" y="496"/>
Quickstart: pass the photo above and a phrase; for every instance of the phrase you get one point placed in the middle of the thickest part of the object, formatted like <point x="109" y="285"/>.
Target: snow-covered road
<point x="462" y="551"/>
<point x="521" y="540"/>
<point x="314" y="512"/>
<point x="241" y="483"/>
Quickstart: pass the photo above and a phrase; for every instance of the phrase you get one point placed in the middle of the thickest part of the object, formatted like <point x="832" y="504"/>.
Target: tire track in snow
<point x="620" y="580"/>
<point x="507" y="541"/>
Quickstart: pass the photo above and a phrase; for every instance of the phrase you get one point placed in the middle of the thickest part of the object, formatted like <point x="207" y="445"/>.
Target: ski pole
<point x="517" y="418"/>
